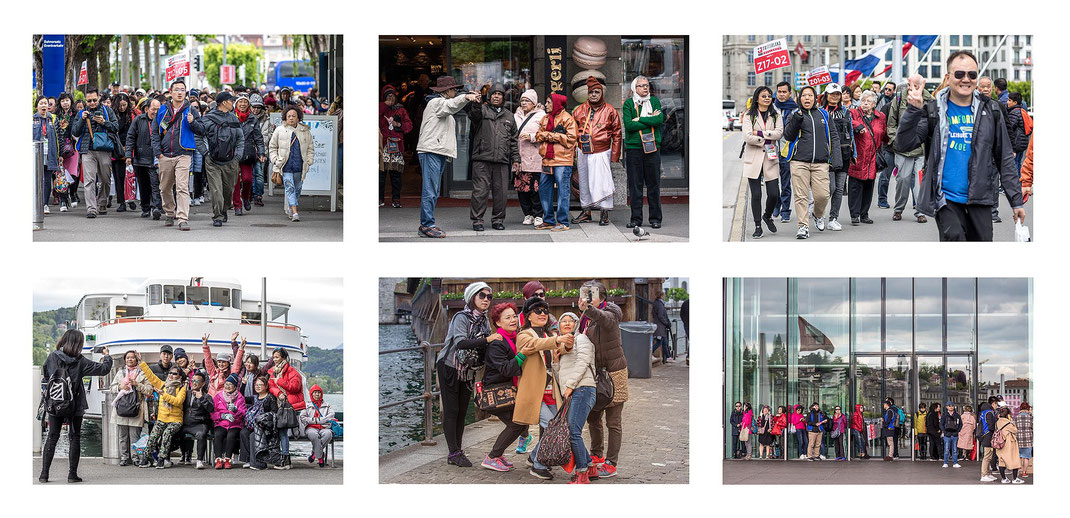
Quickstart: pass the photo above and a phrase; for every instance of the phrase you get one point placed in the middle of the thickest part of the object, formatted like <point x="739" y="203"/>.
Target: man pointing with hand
<point x="969" y="153"/>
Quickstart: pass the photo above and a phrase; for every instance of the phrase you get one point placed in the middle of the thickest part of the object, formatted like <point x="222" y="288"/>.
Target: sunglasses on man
<point x="959" y="74"/>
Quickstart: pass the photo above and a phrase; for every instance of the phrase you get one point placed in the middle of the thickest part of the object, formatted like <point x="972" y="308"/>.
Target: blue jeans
<point x="284" y="441"/>
<point x="432" y="166"/>
<point x="784" y="209"/>
<point x="292" y="182"/>
<point x="663" y="343"/>
<point x="858" y="442"/>
<point x="885" y="177"/>
<point x="802" y="439"/>
<point x="258" y="178"/>
<point x="1018" y="158"/>
<point x="581" y="405"/>
<point x="951" y="448"/>
<point x="563" y="177"/>
<point x="546" y="413"/>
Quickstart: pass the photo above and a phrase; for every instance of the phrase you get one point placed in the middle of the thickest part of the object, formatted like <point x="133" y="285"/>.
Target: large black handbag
<point x="604" y="388"/>
<point x="493" y="397"/>
<point x="286" y="417"/>
<point x="128" y="405"/>
<point x="555" y="443"/>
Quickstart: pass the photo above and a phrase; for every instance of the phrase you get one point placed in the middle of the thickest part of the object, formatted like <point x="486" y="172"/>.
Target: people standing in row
<point x="920" y="430"/>
<point x="810" y="152"/>
<point x="67" y="150"/>
<point x="966" y="439"/>
<point x="394" y="124"/>
<point x="815" y="421"/>
<point x="934" y="429"/>
<point x="858" y="432"/>
<point x="839" y="430"/>
<point x="493" y="155"/>
<point x="764" y="426"/>
<point x="527" y="118"/>
<point x="642" y="118"/>
<point x="557" y="137"/>
<point x="599" y="143"/>
<point x="44" y="130"/>
<point x="1008" y="453"/>
<point x="438" y="145"/>
<point x="469" y="331"/>
<point x="888" y="429"/>
<point x="285" y="384"/>
<point x="869" y="135"/>
<point x="1023" y="422"/>
<point x="986" y="426"/>
<point x="763" y="127"/>
<point x="291" y="152"/>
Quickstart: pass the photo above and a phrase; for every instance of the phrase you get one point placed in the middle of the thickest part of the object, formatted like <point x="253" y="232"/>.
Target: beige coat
<point x="575" y="368"/>
<point x="1008" y="454"/>
<point x="532" y="382"/>
<point x="279" y="147"/>
<point x="755" y="160"/>
<point x="141" y="385"/>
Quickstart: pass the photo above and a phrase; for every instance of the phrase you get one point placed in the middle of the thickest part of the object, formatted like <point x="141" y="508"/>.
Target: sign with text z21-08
<point x="771" y="56"/>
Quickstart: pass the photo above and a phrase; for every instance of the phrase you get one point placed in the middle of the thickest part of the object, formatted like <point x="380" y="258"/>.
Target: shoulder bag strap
<point x="525" y="123"/>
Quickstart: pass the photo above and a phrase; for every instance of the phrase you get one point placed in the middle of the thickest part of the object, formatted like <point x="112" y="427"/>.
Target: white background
<point x="360" y="259"/>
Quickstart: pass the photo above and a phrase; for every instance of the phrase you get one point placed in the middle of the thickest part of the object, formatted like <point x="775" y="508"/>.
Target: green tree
<point x="238" y="54"/>
<point x="1023" y="87"/>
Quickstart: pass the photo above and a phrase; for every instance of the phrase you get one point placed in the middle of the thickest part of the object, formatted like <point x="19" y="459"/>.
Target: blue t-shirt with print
<point x="956" y="180"/>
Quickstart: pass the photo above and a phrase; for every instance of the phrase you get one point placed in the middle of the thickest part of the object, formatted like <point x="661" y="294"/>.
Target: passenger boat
<point x="178" y="312"/>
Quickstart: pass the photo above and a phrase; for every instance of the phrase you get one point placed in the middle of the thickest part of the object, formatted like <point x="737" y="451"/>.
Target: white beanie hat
<point x="474" y="288"/>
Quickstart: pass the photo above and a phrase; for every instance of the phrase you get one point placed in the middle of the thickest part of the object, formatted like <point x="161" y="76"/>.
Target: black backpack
<point x="225" y="141"/>
<point x="59" y="393"/>
<point x="128" y="405"/>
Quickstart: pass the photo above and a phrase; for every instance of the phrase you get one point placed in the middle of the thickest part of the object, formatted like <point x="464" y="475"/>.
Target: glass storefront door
<point x="876" y="378"/>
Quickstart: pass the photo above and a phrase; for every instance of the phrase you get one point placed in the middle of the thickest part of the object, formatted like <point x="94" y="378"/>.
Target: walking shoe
<point x="183" y="226"/>
<point x="73" y="478"/>
<point x="1005" y="481"/>
<point x="63" y="208"/>
<point x="459" y="459"/>
<point x="522" y="445"/>
<point x="227" y="464"/>
<point x="757" y="232"/>
<point x="580" y="478"/>
<point x="1016" y="481"/>
<point x="888" y="459"/>
<point x="802" y="233"/>
<point x="90" y="215"/>
<point x="258" y="200"/>
<point x="543" y="474"/>
<point x="559" y="228"/>
<point x="957" y="465"/>
<point x="854" y="221"/>
<point x="131" y="205"/>
<point x="167" y="463"/>
<point x="284" y="465"/>
<point x="820" y="223"/>
<point x="606" y="470"/>
<point x="122" y="208"/>
<point x="866" y="220"/>
<point x="897" y="216"/>
<point x="769" y="223"/>
<point x="834" y="225"/>
<point x="218" y="463"/>
<point x="785" y="217"/>
<point x="200" y="464"/>
<point x="381" y="205"/>
<point x="802" y="457"/>
<point x="225" y="217"/>
<point x="46" y="210"/>
<point x="323" y="462"/>
<point x="396" y="204"/>
<point x="494" y="464"/>
<point x="145" y="462"/>
<point x="996" y="219"/>
<point x="144" y="214"/>
<point x="506" y="462"/>
<point x="497" y="226"/>
<point x="248" y="205"/>
<point x="478" y="227"/>
<point x="102" y="210"/>
<point x="311" y="458"/>
<point x="988" y="478"/>
<point x="921" y="219"/>
<point x="584" y="217"/>
<point x="74" y="204"/>
<point x="603" y="220"/>
<point x="633" y="224"/>
<point x="169" y="222"/>
<point x="295" y="217"/>
<point x="544" y="226"/>
<point x="537" y="221"/>
<point x="944" y="466"/>
<point x="433" y="232"/>
<point x="237" y="211"/>
<point x="883" y="205"/>
<point x="528" y="220"/>
<point x="159" y="464"/>
<point x="124" y="462"/>
<point x="156" y="214"/>
<point x="592" y="472"/>
<point x="597" y="461"/>
<point x="217" y="223"/>
<point x="655" y="224"/>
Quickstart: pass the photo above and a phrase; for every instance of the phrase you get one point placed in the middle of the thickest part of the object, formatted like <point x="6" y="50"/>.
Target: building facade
<point x="412" y="63"/>
<point x="738" y="53"/>
<point x="842" y="342"/>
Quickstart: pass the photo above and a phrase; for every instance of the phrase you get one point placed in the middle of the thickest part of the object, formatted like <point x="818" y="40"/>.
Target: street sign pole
<point x="897" y="60"/>
<point x="843" y="73"/>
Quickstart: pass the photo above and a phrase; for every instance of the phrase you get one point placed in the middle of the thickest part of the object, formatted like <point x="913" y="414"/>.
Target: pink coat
<point x="866" y="144"/>
<point x="216" y="379"/>
<point x="221" y="408"/>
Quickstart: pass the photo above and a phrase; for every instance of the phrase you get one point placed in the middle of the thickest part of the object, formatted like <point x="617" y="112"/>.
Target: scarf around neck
<point x="557" y="105"/>
<point x="642" y="103"/>
<point x="241" y="115"/>
<point x="171" y="388"/>
<point x="585" y="322"/>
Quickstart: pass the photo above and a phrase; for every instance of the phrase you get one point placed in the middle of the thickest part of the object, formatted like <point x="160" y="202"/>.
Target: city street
<point x="396" y="225"/>
<point x="267" y="223"/>
<point x="738" y="224"/>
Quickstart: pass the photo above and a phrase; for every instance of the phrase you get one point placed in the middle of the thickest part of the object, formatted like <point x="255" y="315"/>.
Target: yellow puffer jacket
<point x="174" y="414"/>
<point x="919" y="422"/>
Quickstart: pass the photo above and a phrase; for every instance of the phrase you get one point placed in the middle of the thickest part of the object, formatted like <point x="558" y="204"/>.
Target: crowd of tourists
<point x="534" y="150"/>
<point x="247" y="410"/>
<point x="526" y="367"/>
<point x="144" y="149"/>
<point x="999" y="439"/>
<point x="806" y="151"/>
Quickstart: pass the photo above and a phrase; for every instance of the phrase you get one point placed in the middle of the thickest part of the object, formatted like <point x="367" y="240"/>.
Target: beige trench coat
<point x="755" y="160"/>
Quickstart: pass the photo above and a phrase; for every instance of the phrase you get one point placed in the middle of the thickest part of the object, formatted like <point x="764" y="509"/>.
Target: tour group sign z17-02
<point x="771" y="56"/>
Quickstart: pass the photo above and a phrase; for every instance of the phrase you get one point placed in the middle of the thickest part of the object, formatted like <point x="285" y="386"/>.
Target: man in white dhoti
<point x="599" y="144"/>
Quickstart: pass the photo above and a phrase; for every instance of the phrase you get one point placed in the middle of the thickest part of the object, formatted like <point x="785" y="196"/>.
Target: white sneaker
<point x="200" y="464"/>
<point x="802" y="233"/>
<point x="1018" y="481"/>
<point x="1005" y="481"/>
<point x="957" y="465"/>
<point x="63" y="208"/>
<point x="528" y="220"/>
<point x="802" y="457"/>
<point x="74" y="205"/>
<point x="820" y="222"/>
<point x="944" y="466"/>
<point x="537" y="221"/>
<point x="835" y="225"/>
<point x="46" y="209"/>
<point x="295" y="217"/>
<point x="822" y="457"/>
<point x="246" y="465"/>
<point x="987" y="478"/>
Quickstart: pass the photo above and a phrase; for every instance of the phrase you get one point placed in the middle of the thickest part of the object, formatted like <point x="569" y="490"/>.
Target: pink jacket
<point x="216" y="379"/>
<point x="797" y="419"/>
<point x="221" y="408"/>
<point x="748" y="418"/>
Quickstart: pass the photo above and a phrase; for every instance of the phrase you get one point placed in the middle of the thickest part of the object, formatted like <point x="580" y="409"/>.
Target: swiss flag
<point x="801" y="51"/>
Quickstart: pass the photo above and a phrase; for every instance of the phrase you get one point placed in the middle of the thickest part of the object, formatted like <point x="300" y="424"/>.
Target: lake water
<point x="401" y="376"/>
<point x="92" y="441"/>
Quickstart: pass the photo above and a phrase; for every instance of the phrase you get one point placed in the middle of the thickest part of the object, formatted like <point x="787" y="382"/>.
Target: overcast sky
<point x="316" y="304"/>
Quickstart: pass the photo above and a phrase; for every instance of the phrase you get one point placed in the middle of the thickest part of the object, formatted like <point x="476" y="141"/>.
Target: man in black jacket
<point x="969" y="154"/>
<point x="225" y="140"/>
<point x="494" y="148"/>
<point x="196" y="419"/>
<point x="141" y="153"/>
<point x="1016" y="127"/>
<point x="986" y="424"/>
<point x="100" y="121"/>
<point x="950" y="424"/>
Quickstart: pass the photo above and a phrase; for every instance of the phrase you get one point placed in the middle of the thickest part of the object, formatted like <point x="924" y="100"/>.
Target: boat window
<point x="129" y="311"/>
<point x="98" y="308"/>
<point x="253" y="317"/>
<point x="155" y="294"/>
<point x="197" y="295"/>
<point x="220" y="296"/>
<point x="235" y="298"/>
<point x="174" y="294"/>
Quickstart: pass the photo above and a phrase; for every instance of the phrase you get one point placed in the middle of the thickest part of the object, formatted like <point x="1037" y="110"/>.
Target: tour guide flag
<point x="83" y="76"/>
<point x="812" y="339"/>
<point x="819" y="76"/>
<point x="866" y="63"/>
<point x="771" y="56"/>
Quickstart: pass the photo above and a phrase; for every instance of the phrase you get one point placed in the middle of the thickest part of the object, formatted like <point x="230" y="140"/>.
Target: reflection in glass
<point x="898" y="319"/>
<point x="661" y="60"/>
<point x="961" y="306"/>
<point x="1003" y="328"/>
<point x="928" y="315"/>
<point x="866" y="310"/>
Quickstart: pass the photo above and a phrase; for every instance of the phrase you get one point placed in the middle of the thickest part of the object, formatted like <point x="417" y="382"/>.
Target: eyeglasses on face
<point x="959" y="74"/>
<point x="174" y="373"/>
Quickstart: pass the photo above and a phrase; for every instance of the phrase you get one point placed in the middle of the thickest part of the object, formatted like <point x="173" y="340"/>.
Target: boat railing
<point x="429" y="393"/>
<point x="145" y="318"/>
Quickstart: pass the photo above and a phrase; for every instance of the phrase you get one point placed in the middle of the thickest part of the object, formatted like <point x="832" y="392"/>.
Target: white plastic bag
<point x="1021" y="232"/>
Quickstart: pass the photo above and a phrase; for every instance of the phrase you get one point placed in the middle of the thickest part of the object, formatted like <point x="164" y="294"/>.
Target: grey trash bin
<point x="637" y="338"/>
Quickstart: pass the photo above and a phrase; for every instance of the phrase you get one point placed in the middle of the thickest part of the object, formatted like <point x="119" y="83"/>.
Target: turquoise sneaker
<point x="522" y="445"/>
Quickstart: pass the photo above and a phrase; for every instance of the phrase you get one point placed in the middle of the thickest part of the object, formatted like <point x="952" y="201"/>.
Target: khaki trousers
<point x="96" y="177"/>
<point x="986" y="461"/>
<point x="813" y="444"/>
<point x="174" y="173"/>
<point x="221" y="181"/>
<point x="807" y="177"/>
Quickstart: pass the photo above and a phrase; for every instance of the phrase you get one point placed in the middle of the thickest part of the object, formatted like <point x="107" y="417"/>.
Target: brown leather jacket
<point x="604" y="127"/>
<point x="604" y="332"/>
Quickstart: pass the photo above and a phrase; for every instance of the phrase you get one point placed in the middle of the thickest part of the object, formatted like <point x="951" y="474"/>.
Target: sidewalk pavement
<point x="94" y="470"/>
<point x="400" y="225"/>
<point x="655" y="447"/>
<point x="267" y="223"/>
<point x="872" y="471"/>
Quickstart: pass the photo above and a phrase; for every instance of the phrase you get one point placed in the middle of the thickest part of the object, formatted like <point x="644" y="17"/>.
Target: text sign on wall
<point x="555" y="64"/>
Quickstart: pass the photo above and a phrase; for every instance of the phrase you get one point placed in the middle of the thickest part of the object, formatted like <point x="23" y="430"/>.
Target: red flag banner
<point x="771" y="56"/>
<point x="83" y="76"/>
<point x="812" y="339"/>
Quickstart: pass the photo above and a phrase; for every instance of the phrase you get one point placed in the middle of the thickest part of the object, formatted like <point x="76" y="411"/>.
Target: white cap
<point x="833" y="88"/>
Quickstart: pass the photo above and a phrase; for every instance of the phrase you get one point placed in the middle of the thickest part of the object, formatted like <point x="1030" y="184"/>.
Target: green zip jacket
<point x="644" y="124"/>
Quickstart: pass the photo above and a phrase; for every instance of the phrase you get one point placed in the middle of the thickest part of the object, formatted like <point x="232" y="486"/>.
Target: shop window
<point x="662" y="61"/>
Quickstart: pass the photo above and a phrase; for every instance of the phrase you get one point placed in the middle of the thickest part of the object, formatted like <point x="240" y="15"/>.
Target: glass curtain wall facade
<point x="845" y="342"/>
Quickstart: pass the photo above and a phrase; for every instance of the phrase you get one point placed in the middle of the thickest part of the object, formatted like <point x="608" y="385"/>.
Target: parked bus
<point x="298" y="75"/>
